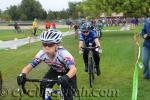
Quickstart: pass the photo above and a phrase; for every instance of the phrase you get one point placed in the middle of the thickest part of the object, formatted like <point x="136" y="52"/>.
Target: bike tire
<point x="91" y="73"/>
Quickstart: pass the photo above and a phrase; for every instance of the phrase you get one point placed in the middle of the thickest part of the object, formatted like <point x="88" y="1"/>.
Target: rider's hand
<point x="146" y="36"/>
<point x="63" y="80"/>
<point x="21" y="79"/>
<point x="80" y="51"/>
<point x="98" y="49"/>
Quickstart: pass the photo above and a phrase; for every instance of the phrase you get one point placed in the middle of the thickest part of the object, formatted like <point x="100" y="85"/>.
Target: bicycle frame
<point x="91" y="68"/>
<point x="91" y="64"/>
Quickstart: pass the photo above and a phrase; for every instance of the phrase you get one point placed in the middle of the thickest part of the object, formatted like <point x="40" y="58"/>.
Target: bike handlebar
<point x="89" y="48"/>
<point x="37" y="80"/>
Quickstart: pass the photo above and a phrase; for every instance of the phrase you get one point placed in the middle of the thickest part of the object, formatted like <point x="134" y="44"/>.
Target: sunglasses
<point x="48" y="44"/>
<point x="85" y="31"/>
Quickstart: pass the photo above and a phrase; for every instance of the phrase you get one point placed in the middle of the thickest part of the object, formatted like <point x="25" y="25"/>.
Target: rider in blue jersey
<point x="89" y="36"/>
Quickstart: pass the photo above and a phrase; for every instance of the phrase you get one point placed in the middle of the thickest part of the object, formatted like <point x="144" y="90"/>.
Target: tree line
<point x="30" y="9"/>
<point x="130" y="8"/>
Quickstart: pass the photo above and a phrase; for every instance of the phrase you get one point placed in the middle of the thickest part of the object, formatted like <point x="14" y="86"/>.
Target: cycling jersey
<point x="47" y="24"/>
<point x="61" y="62"/>
<point x="99" y="26"/>
<point x="89" y="38"/>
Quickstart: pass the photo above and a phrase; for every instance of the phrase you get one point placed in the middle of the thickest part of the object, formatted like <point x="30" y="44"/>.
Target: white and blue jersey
<point x="89" y="38"/>
<point x="61" y="62"/>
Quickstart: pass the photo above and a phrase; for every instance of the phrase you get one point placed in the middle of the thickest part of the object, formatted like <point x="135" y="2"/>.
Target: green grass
<point x="11" y="34"/>
<point x="112" y="27"/>
<point x="117" y="65"/>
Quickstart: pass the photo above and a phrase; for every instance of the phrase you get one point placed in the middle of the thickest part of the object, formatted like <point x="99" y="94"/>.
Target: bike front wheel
<point x="91" y="72"/>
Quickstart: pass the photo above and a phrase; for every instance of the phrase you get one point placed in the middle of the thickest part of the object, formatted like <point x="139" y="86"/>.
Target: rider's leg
<point x="145" y="58"/>
<point x="69" y="89"/>
<point x="35" y="31"/>
<point x="97" y="61"/>
<point x="51" y="74"/>
<point x="85" y="58"/>
<point x="100" y="33"/>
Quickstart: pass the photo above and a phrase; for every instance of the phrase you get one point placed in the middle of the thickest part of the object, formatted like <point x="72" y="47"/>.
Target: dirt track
<point x="29" y="27"/>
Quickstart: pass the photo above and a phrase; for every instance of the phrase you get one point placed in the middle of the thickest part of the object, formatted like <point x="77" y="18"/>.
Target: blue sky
<point x="55" y="5"/>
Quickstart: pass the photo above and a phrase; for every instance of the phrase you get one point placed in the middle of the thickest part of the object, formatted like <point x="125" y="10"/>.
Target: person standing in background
<point x="35" y="26"/>
<point x="53" y="25"/>
<point x="47" y="24"/>
<point x="146" y="47"/>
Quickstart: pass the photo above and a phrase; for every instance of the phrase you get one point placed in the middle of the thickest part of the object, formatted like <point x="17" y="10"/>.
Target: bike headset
<point x="51" y="36"/>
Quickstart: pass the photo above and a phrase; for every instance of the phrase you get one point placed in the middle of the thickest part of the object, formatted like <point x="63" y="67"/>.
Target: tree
<point x="5" y="15"/>
<point x="28" y="10"/>
<point x="23" y="16"/>
<point x="51" y="15"/>
<point x="32" y="9"/>
<point x="13" y="11"/>
<point x="73" y="9"/>
<point x="136" y="8"/>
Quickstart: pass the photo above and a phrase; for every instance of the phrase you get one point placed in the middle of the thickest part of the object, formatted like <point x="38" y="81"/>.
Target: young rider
<point x="89" y="36"/>
<point x="60" y="61"/>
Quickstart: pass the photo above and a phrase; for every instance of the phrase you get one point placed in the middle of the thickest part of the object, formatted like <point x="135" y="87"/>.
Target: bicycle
<point x="91" y="64"/>
<point x="48" y="91"/>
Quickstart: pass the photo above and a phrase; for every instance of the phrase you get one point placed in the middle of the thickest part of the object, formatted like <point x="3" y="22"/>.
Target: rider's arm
<point x="33" y="64"/>
<point x="80" y="44"/>
<point x="97" y="42"/>
<point x="27" y="69"/>
<point x="144" y="33"/>
<point x="96" y="39"/>
<point x="69" y="63"/>
<point x="72" y="71"/>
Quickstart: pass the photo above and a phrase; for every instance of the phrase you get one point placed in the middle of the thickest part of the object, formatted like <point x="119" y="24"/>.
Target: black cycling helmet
<point x="85" y="27"/>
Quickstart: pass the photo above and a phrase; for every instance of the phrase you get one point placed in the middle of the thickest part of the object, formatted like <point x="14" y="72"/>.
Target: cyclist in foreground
<point x="60" y="61"/>
<point x="89" y="36"/>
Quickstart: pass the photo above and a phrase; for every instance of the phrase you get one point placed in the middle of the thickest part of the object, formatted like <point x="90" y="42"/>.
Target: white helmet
<point x="51" y="36"/>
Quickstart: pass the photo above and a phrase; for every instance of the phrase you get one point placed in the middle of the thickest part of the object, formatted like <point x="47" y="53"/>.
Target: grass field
<point x="11" y="34"/>
<point x="117" y="65"/>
